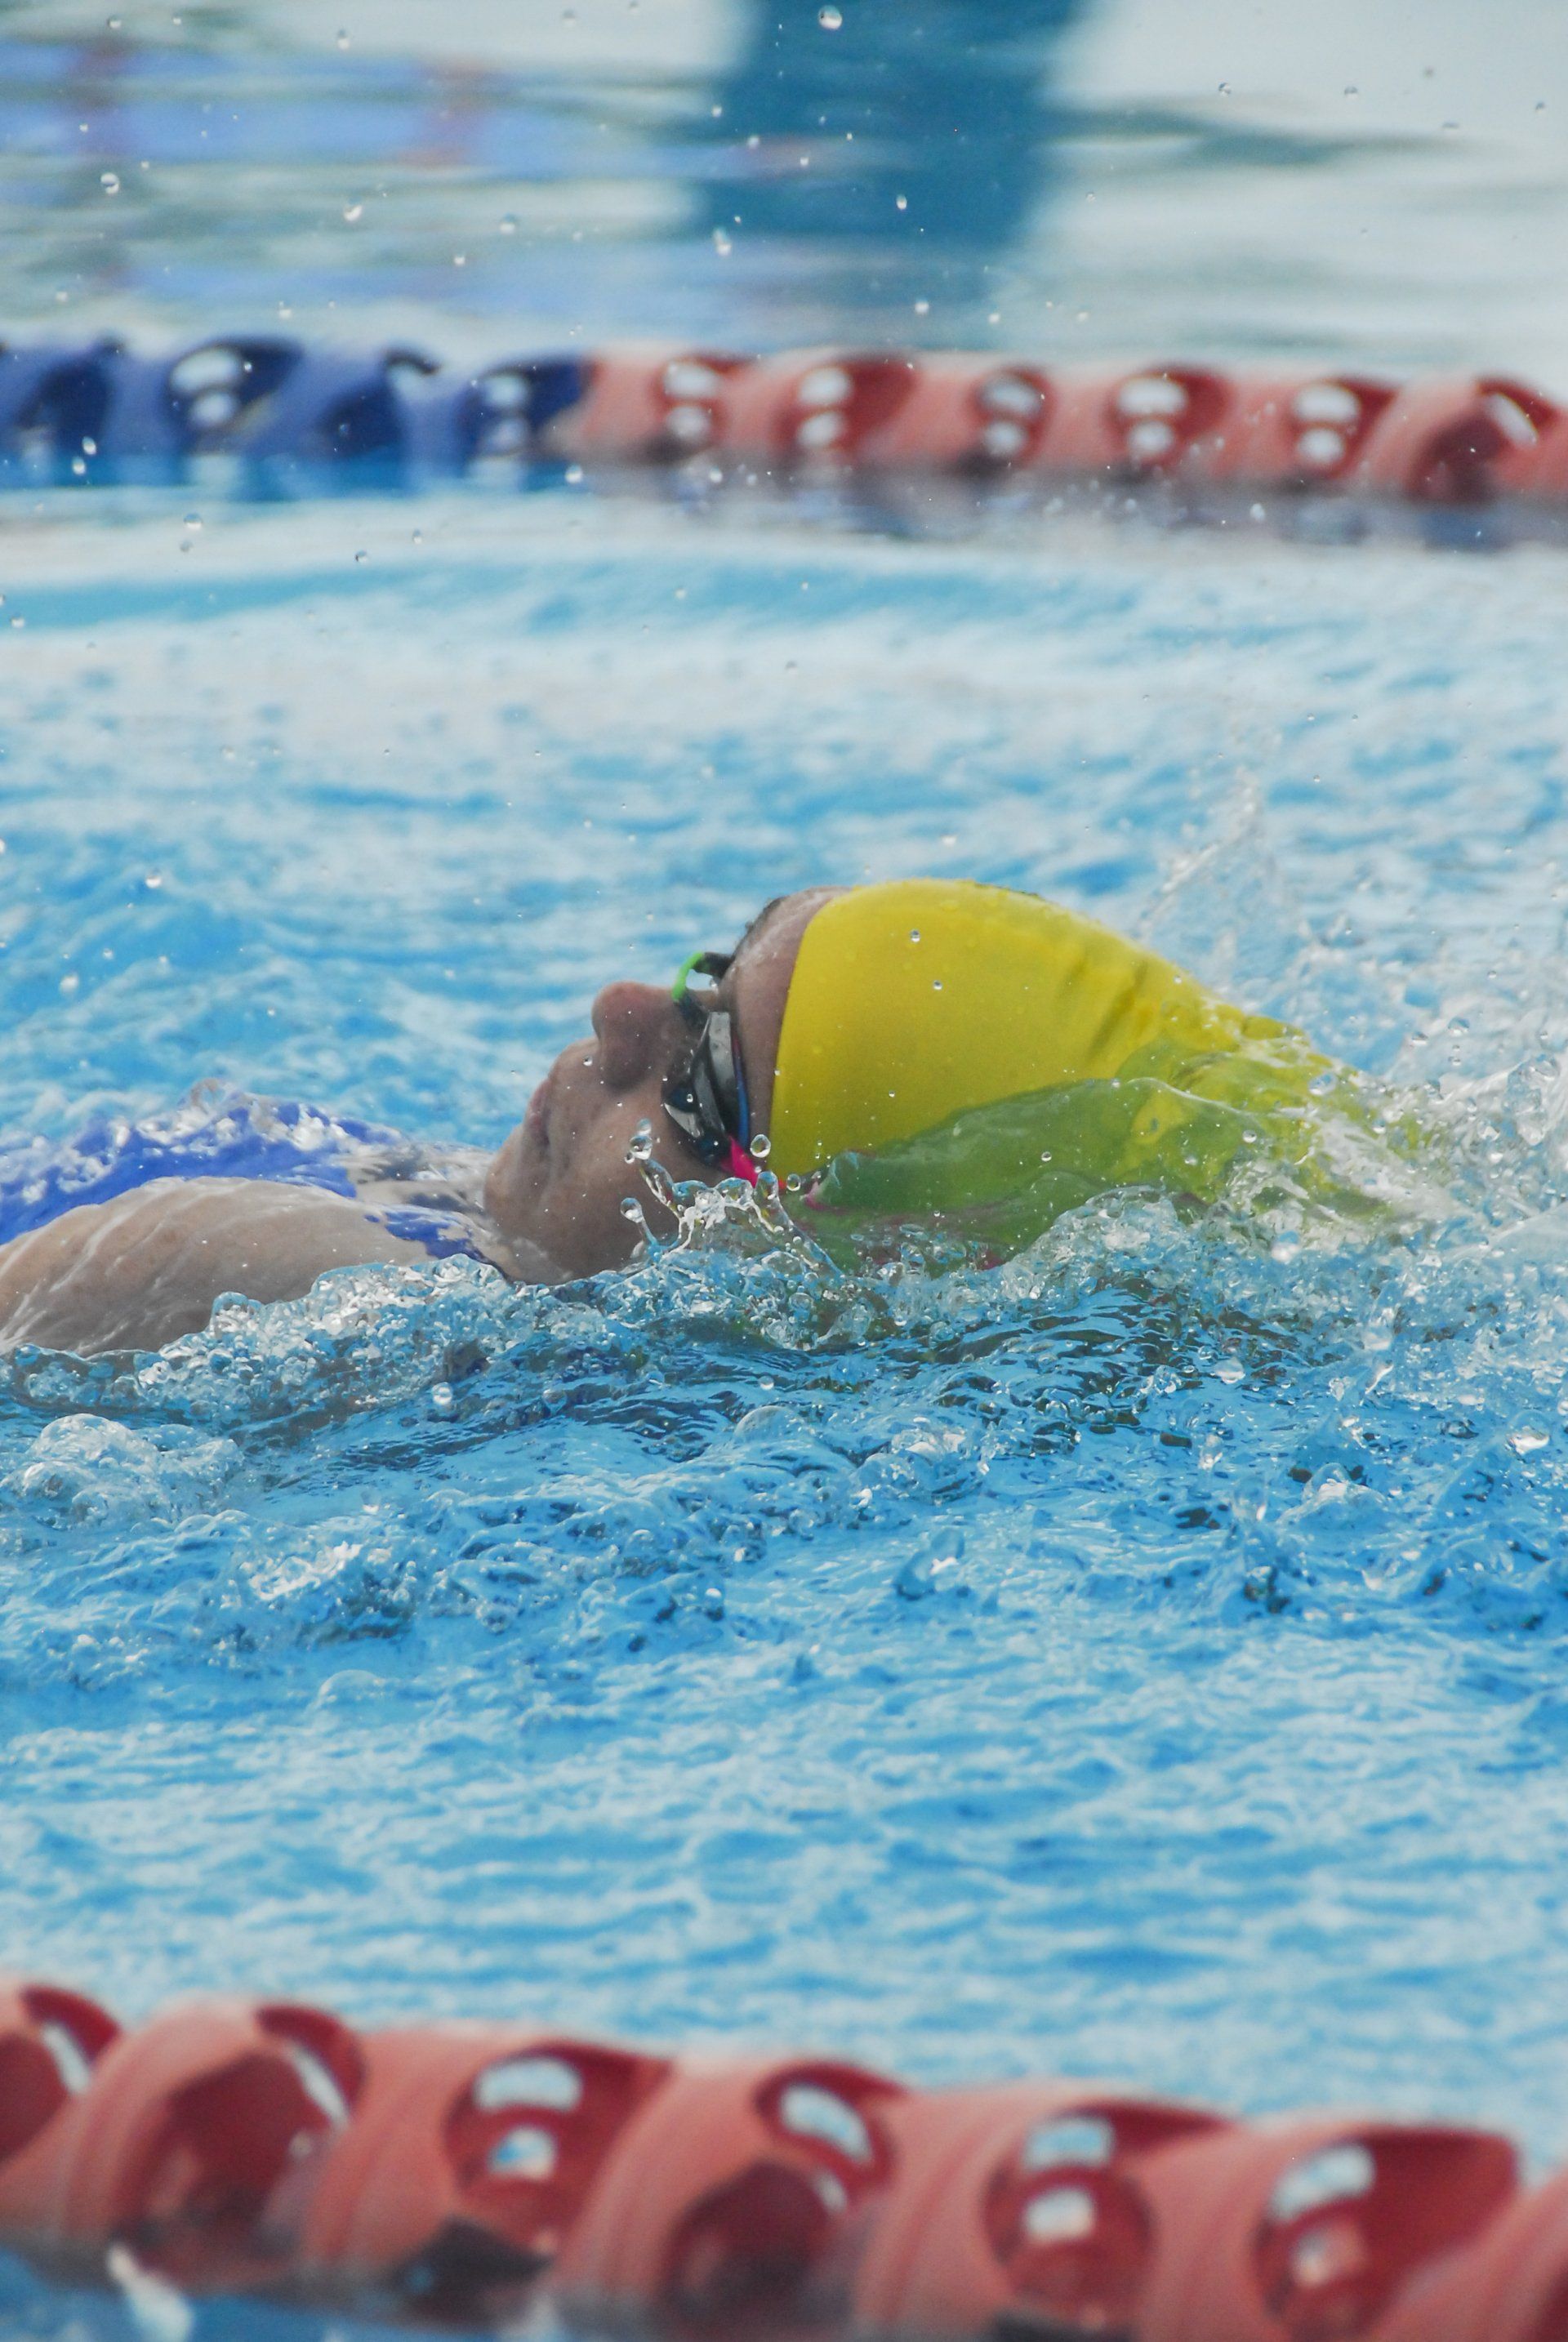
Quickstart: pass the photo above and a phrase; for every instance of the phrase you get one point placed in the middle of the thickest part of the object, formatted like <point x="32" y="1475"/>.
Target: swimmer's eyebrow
<point x="724" y="991"/>
<point x="775" y="903"/>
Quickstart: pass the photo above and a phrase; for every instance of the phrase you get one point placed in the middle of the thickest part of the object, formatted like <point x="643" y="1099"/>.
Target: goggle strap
<point x="699" y="963"/>
<point x="721" y="1071"/>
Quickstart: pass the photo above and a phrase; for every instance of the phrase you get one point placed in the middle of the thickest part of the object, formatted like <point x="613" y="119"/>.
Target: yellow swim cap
<point x="914" y="1000"/>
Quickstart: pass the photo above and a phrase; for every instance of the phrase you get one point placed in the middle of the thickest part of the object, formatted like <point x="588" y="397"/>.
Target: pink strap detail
<point x="741" y="1165"/>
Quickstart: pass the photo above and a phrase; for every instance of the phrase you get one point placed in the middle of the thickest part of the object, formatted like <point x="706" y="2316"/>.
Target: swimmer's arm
<point x="137" y="1272"/>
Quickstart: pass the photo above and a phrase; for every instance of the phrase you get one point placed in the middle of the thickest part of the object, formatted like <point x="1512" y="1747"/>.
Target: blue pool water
<point x="1144" y="1658"/>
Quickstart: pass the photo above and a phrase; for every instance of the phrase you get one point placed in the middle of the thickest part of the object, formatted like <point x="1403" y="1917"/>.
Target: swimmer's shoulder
<point x="146" y="1266"/>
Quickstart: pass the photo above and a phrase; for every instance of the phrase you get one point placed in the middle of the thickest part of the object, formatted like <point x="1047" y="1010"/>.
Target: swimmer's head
<point x="845" y="1019"/>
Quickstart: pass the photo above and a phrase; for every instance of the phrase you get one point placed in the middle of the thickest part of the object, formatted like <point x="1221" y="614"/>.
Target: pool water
<point x="1352" y="185"/>
<point x="1140" y="1658"/>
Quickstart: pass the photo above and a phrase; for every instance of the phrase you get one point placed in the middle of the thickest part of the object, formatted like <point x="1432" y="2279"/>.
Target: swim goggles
<point x="705" y="1097"/>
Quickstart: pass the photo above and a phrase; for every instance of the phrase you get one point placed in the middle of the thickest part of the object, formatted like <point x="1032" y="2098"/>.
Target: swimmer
<point x="920" y="1047"/>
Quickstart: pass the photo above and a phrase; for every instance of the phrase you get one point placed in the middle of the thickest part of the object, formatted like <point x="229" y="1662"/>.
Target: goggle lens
<point x="706" y="1098"/>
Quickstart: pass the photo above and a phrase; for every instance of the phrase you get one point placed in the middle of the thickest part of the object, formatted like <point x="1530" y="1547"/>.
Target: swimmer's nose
<point x="635" y="1027"/>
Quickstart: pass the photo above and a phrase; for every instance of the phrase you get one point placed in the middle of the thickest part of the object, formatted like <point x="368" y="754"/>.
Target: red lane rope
<point x="101" y="412"/>
<point x="1451" y="441"/>
<point x="474" y="2173"/>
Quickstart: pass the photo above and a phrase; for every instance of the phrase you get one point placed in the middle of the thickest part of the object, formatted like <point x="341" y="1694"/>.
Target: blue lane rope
<point x="100" y="413"/>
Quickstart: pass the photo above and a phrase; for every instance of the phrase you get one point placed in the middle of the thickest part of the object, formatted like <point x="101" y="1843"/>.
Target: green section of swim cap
<point x="1271" y="1121"/>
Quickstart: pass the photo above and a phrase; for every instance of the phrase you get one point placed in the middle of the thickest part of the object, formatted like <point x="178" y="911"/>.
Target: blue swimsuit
<point x="429" y="1200"/>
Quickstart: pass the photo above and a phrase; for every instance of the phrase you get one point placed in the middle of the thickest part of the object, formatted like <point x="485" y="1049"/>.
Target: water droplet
<point x="640" y="1145"/>
<point x="760" y="1148"/>
<point x="914" y="934"/>
<point x="154" y="879"/>
<point x="712" y="1602"/>
<point x="922" y="308"/>
<point x="574" y="475"/>
<point x="1285" y="1247"/>
<point x="829" y="19"/>
<point x="508" y="224"/>
<point x="1044" y="1154"/>
<point x="1528" y="1443"/>
<point x="110" y="182"/>
<point x="902" y="203"/>
<point x="1321" y="1084"/>
<point x="440" y="1399"/>
<point x="113" y="23"/>
<point x="354" y="212"/>
<point x="1230" y="1370"/>
<point x="460" y="260"/>
<point x="193" y="520"/>
<point x="343" y="40"/>
<point x="722" y="244"/>
<point x="361" y="556"/>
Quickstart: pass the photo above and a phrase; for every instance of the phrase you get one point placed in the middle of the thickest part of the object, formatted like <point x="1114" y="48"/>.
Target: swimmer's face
<point x="559" y="1182"/>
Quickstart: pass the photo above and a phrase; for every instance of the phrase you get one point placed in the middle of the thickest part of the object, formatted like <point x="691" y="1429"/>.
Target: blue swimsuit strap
<point x="444" y="1236"/>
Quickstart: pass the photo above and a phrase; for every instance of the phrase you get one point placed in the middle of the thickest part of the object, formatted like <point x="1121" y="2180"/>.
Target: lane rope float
<point x="289" y="416"/>
<point x="476" y="2173"/>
